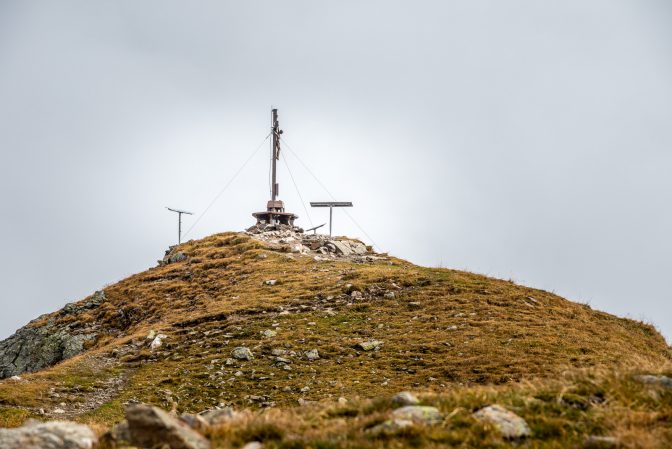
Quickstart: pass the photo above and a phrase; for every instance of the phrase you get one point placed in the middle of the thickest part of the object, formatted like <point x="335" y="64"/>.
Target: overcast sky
<point x="527" y="140"/>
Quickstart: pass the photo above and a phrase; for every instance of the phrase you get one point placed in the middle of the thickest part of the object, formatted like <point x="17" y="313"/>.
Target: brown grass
<point x="444" y="330"/>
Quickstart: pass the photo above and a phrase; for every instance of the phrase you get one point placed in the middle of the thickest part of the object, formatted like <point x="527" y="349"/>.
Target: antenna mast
<point x="275" y="153"/>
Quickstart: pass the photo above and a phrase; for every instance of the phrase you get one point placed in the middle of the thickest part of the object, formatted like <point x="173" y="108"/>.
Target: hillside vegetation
<point x="319" y="329"/>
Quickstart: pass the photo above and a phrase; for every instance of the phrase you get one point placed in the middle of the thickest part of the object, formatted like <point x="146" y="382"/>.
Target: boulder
<point x="150" y="426"/>
<point x="418" y="414"/>
<point x="509" y="425"/>
<point x="48" y="435"/>
<point x="340" y="247"/>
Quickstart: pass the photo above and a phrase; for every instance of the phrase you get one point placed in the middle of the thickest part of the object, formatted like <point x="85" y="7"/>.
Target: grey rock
<point x="369" y="345"/>
<point x="152" y="427"/>
<point x="340" y="247"/>
<point x="509" y="424"/>
<point x="171" y="257"/>
<point x="118" y="436"/>
<point x="242" y="353"/>
<point x="418" y="414"/>
<point x="219" y="416"/>
<point x="33" y="348"/>
<point x="271" y="282"/>
<point x="48" y="435"/>
<point x="405" y="398"/>
<point x="649" y="379"/>
<point x="358" y="248"/>
<point x="269" y="333"/>
<point x="390" y="427"/>
<point x="312" y="354"/>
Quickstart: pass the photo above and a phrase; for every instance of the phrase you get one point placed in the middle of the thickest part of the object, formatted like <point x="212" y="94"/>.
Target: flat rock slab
<point x="48" y="435"/>
<point x="510" y="425"/>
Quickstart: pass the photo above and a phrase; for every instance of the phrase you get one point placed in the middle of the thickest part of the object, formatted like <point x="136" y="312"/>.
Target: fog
<point x="524" y="140"/>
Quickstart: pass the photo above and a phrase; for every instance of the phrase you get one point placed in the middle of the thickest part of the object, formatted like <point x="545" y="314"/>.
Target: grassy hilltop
<point x="319" y="329"/>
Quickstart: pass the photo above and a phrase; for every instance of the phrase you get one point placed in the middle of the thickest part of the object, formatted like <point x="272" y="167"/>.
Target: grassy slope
<point x="442" y="330"/>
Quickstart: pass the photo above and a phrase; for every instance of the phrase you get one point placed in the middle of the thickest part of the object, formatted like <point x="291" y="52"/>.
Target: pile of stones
<point x="298" y="242"/>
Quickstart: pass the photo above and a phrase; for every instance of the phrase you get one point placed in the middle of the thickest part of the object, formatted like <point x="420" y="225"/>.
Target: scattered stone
<point x="342" y="401"/>
<point x="58" y="411"/>
<point x="278" y="351"/>
<point x="269" y="333"/>
<point x="312" y="354"/>
<point x="151" y="335"/>
<point x="369" y="345"/>
<point x="390" y="295"/>
<point x="405" y="398"/>
<point x="510" y="425"/>
<point x="451" y="328"/>
<point x="600" y="442"/>
<point x="242" y="353"/>
<point x="152" y="427"/>
<point x="15" y="378"/>
<point x="649" y="379"/>
<point x="157" y="342"/>
<point x="48" y="435"/>
<point x="414" y="305"/>
<point x="271" y="282"/>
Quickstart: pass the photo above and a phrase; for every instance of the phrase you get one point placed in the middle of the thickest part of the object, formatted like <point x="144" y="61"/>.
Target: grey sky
<point x="529" y="140"/>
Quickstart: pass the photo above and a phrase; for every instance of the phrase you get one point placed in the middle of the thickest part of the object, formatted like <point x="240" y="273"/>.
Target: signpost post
<point x="179" y="222"/>
<point x="331" y="205"/>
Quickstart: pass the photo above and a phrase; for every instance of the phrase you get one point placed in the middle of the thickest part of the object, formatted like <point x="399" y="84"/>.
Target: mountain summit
<point x="271" y="319"/>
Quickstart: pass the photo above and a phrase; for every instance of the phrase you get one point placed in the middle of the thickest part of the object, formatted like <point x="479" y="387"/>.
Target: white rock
<point x="507" y="423"/>
<point x="242" y="353"/>
<point x="157" y="342"/>
<point x="312" y="354"/>
<point x="48" y="435"/>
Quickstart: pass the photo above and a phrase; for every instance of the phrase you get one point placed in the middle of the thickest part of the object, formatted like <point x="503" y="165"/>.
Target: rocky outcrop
<point x="47" y="341"/>
<point x="294" y="241"/>
<point x="49" y="435"/>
